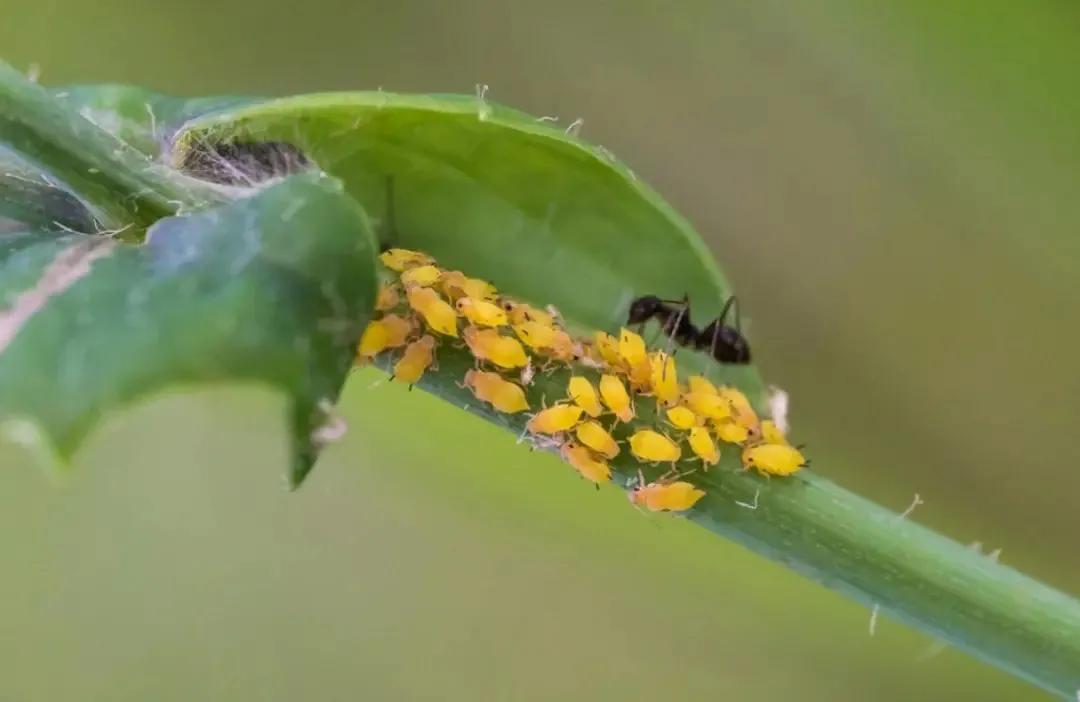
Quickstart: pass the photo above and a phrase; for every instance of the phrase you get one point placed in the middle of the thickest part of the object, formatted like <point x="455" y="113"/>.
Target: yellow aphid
<point x="490" y="345"/>
<point x="773" y="459"/>
<point x="703" y="446"/>
<point x="453" y="284"/>
<point x="400" y="259"/>
<point x="742" y="412"/>
<point x="699" y="383"/>
<point x="438" y="314"/>
<point x="614" y="395"/>
<point x="731" y="432"/>
<point x="770" y="433"/>
<point x="456" y="284"/>
<point x="421" y="275"/>
<point x="707" y="405"/>
<point x="664" y="379"/>
<point x="481" y="312"/>
<point x="648" y="445"/>
<point x="582" y="393"/>
<point x="598" y="439"/>
<point x="536" y="336"/>
<point x="387" y="297"/>
<point x="590" y="356"/>
<point x="681" y="417"/>
<point x="555" y="419"/>
<point x="632" y="349"/>
<point x="583" y="462"/>
<point x="666" y="497"/>
<point x="608" y="348"/>
<point x="416" y="359"/>
<point x="521" y="312"/>
<point x="563" y="347"/>
<point x="387" y="332"/>
<point x="639" y="376"/>
<point x="480" y="290"/>
<point x="496" y="391"/>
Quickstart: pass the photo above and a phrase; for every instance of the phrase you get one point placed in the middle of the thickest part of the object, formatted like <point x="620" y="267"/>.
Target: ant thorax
<point x="724" y="343"/>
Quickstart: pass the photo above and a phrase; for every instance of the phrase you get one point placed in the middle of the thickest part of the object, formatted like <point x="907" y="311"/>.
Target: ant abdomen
<point x="725" y="344"/>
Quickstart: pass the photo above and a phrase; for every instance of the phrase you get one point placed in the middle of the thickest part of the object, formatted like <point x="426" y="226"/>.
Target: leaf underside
<point x="241" y="292"/>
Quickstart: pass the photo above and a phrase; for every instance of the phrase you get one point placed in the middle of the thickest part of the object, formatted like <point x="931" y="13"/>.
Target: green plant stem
<point x="852" y="545"/>
<point x="120" y="185"/>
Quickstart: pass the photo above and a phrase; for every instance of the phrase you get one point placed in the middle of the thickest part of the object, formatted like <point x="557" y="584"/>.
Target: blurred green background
<point x="890" y="185"/>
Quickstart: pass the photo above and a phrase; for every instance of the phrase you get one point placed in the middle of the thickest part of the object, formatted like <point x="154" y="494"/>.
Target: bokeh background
<point x="892" y="188"/>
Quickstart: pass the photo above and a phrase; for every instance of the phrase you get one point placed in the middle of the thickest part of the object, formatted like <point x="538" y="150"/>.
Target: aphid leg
<point x="757" y="494"/>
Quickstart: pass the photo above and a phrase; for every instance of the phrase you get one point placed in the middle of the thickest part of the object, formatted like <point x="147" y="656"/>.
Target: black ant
<point x="723" y="342"/>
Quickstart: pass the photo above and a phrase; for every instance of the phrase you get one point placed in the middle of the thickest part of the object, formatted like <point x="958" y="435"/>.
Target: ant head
<point x="643" y="308"/>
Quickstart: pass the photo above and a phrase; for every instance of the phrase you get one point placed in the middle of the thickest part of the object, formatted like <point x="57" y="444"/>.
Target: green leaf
<point x="274" y="289"/>
<point x="122" y="186"/>
<point x="29" y="199"/>
<point x="549" y="218"/>
<point x="140" y="118"/>
<point x="492" y="191"/>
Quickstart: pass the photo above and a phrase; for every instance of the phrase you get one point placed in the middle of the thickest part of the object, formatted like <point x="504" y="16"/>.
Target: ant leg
<point x="684" y="311"/>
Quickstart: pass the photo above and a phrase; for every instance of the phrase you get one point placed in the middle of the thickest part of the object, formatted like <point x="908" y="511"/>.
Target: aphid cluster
<point x="598" y="417"/>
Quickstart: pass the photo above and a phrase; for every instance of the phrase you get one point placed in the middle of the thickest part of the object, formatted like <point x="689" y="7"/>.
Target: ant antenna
<point x="716" y="328"/>
<point x="732" y="303"/>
